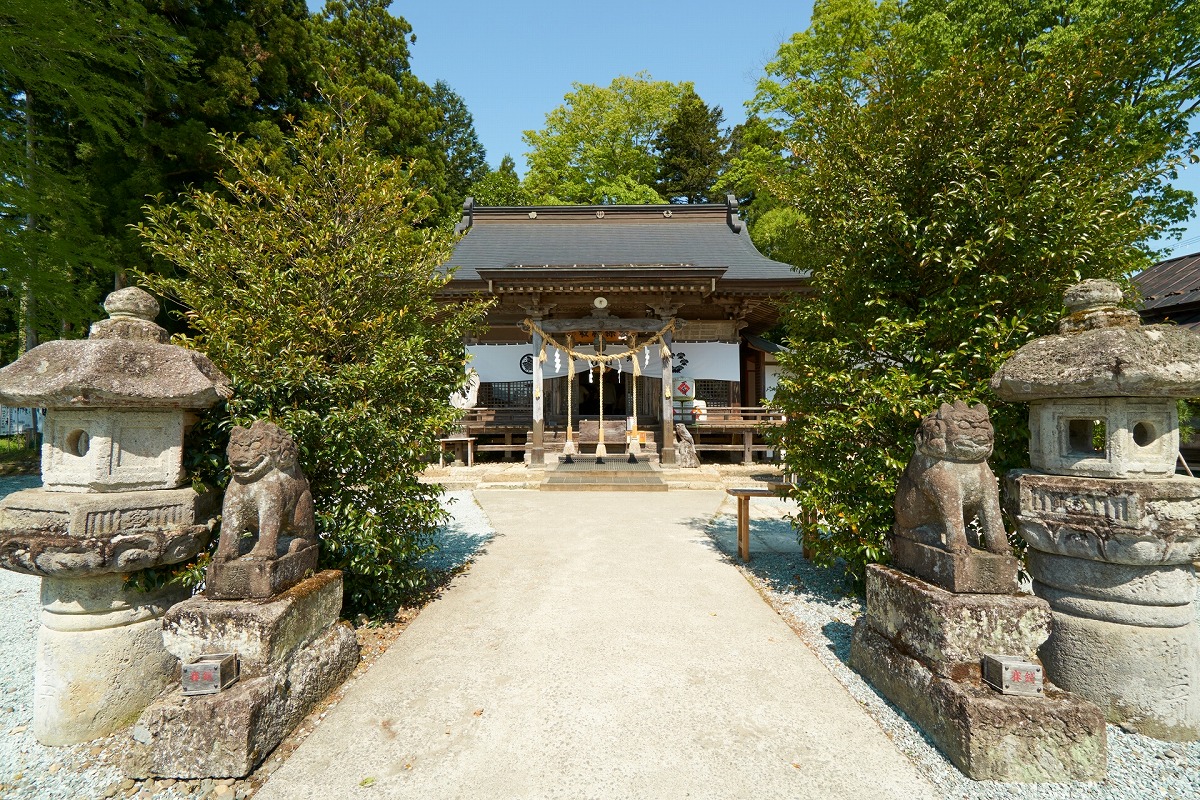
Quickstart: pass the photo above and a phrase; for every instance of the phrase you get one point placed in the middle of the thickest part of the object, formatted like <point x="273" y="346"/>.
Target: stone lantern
<point x="113" y="501"/>
<point x="1112" y="530"/>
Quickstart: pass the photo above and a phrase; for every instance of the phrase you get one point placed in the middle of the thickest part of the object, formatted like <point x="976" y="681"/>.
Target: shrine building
<point x="612" y="323"/>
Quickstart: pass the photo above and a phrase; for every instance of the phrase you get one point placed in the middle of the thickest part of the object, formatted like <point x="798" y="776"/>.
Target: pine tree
<point x="691" y="148"/>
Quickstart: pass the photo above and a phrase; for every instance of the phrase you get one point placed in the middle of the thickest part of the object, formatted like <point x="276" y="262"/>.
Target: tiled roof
<point x="614" y="236"/>
<point x="1171" y="290"/>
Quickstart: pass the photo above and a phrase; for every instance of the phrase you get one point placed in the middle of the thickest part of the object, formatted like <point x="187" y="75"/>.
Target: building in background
<point x="613" y="279"/>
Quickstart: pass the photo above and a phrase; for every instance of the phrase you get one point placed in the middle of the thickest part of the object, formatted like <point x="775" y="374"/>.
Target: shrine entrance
<point x="588" y="392"/>
<point x="603" y="356"/>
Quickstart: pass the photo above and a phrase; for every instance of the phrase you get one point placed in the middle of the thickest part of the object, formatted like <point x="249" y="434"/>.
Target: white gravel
<point x="31" y="771"/>
<point x="815" y="601"/>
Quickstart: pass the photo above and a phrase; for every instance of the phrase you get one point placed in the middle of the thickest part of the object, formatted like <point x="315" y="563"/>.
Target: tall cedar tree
<point x="466" y="160"/>
<point x="691" y="151"/>
<point x="363" y="48"/>
<point x="954" y="168"/>
<point x="75" y="76"/>
<point x="309" y="278"/>
<point x="122" y="95"/>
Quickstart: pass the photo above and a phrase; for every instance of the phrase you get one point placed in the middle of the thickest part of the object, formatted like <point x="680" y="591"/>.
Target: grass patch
<point x="13" y="449"/>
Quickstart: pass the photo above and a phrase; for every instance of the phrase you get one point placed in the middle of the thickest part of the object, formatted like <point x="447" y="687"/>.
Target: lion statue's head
<point x="255" y="450"/>
<point x="957" y="433"/>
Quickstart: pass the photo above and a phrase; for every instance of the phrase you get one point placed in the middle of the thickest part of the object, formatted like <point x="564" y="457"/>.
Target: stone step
<point x="601" y="482"/>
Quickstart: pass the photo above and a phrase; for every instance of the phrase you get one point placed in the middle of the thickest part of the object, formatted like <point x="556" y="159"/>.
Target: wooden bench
<point x="743" y="496"/>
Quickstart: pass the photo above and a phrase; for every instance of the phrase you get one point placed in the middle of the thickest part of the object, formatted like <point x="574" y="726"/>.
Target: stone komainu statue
<point x="685" y="448"/>
<point x="948" y="483"/>
<point x="268" y="495"/>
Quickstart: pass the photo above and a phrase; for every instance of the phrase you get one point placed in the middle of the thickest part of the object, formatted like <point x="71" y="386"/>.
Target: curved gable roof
<point x="705" y="236"/>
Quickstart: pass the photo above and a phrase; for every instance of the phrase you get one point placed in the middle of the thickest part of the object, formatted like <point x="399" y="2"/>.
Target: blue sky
<point x="513" y="62"/>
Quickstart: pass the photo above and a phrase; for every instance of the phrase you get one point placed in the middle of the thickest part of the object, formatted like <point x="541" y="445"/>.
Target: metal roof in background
<point x="1171" y="291"/>
<point x="652" y="236"/>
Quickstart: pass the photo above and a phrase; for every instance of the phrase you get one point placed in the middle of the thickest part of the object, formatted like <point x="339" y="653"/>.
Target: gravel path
<point x="31" y="771"/>
<point x="814" y="601"/>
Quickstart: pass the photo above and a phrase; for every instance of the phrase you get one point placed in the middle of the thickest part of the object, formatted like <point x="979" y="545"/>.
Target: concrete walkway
<point x="600" y="648"/>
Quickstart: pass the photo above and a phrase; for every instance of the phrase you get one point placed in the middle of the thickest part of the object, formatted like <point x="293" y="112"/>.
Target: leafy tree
<point x="364" y="49"/>
<point x="309" y="279"/>
<point x="502" y="187"/>
<point x="598" y="146"/>
<point x="755" y="152"/>
<point x="465" y="156"/>
<point x="75" y="75"/>
<point x="953" y="168"/>
<point x="691" y="151"/>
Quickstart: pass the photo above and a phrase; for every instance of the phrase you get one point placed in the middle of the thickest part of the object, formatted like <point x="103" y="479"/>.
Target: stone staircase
<point x="614" y="474"/>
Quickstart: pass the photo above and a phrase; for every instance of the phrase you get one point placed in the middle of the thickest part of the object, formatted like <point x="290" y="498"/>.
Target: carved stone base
<point x="987" y="735"/>
<point x="227" y="735"/>
<point x="1146" y="679"/>
<point x="978" y="571"/>
<point x="251" y="577"/>
<point x="950" y="632"/>
<point x="100" y="658"/>
<point x="292" y="653"/>
<point x="260" y="633"/>
<point x="920" y="646"/>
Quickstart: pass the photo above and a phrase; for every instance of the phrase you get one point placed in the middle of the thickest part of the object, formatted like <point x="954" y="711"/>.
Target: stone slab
<point x="227" y="735"/>
<point x="261" y="633"/>
<point x="977" y="571"/>
<point x="250" y="577"/>
<point x="950" y="632"/>
<point x="988" y="735"/>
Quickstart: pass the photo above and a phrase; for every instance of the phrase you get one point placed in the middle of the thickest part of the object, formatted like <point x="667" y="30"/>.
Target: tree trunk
<point x="28" y="303"/>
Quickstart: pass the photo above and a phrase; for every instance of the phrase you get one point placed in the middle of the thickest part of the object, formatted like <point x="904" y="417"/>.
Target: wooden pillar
<point x="537" y="456"/>
<point x="743" y="527"/>
<point x="668" y="415"/>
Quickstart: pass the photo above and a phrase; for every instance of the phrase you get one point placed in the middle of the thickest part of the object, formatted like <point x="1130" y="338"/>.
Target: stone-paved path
<point x="600" y="648"/>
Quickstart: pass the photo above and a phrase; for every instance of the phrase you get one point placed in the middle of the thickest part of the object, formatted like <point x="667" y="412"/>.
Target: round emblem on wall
<point x="600" y="302"/>
<point x="527" y="363"/>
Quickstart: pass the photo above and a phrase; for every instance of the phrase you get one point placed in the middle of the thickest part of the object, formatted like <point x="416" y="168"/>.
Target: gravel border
<point x="814" y="601"/>
<point x="91" y="771"/>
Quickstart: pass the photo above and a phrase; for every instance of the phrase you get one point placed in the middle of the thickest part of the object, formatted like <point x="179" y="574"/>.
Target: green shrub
<point x="307" y="278"/>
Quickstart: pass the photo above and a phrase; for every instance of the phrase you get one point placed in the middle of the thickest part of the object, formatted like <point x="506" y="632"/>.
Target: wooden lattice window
<point x="510" y="394"/>
<point x="719" y="393"/>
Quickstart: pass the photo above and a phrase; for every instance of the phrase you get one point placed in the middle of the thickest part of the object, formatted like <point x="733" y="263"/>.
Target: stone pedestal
<point x="975" y="571"/>
<point x="1114" y="559"/>
<point x="100" y="657"/>
<point x="292" y="652"/>
<point x="921" y="646"/>
<point x="259" y="578"/>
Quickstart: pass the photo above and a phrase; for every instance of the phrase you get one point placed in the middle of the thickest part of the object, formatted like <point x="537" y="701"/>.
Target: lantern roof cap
<point x="1102" y="350"/>
<point x="126" y="362"/>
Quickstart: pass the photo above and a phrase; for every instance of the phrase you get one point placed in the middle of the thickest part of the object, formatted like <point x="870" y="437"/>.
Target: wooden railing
<point x="734" y="417"/>
<point x="716" y="428"/>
